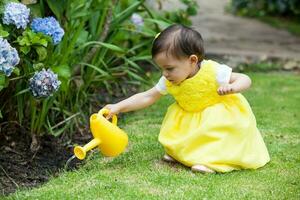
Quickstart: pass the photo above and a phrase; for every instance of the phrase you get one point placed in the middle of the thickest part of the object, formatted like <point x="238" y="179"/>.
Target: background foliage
<point x="267" y="7"/>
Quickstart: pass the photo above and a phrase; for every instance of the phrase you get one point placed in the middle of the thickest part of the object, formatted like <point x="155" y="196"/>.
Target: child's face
<point x="176" y="70"/>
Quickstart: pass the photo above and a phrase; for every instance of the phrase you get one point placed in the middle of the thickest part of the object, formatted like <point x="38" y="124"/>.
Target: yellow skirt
<point x="223" y="137"/>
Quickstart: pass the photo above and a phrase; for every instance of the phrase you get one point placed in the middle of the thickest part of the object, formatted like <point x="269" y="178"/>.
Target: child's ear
<point x="193" y="59"/>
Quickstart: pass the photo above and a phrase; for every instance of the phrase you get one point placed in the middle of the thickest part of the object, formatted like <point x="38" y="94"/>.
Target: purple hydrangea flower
<point x="48" y="26"/>
<point x="9" y="57"/>
<point x="137" y="20"/>
<point x="44" y="83"/>
<point x="17" y="14"/>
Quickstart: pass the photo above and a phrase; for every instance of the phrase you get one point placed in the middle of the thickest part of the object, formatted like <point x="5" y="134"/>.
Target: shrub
<point x="267" y="7"/>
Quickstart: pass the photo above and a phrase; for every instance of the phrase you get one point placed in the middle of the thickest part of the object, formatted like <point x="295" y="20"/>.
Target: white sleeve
<point x="161" y="86"/>
<point x="223" y="74"/>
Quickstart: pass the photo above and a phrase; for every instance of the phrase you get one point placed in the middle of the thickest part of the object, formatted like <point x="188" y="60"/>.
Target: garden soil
<point x="21" y="168"/>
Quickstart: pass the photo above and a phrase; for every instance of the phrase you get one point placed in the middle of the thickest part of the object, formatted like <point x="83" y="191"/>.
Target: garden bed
<point x="19" y="167"/>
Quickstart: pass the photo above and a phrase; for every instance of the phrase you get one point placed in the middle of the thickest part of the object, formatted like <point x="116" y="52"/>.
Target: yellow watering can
<point x="108" y="137"/>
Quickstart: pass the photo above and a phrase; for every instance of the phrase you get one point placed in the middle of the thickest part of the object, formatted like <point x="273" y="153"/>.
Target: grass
<point x="140" y="173"/>
<point x="262" y="66"/>
<point x="291" y="25"/>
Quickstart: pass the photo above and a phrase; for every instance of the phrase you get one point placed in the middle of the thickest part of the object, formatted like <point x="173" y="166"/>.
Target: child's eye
<point x="169" y="69"/>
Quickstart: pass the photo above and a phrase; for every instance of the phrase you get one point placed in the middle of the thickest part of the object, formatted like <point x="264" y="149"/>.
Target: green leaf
<point x="135" y="76"/>
<point x="83" y="37"/>
<point x="106" y="45"/>
<point x="63" y="71"/>
<point x="30" y="34"/>
<point x="16" y="71"/>
<point x="2" y="81"/>
<point x="139" y="58"/>
<point x="192" y="10"/>
<point x="148" y="31"/>
<point x="37" y="40"/>
<point x="25" y="49"/>
<point x="42" y="52"/>
<point x="3" y="33"/>
<point x="23" y="40"/>
<point x="64" y="85"/>
<point x="112" y="47"/>
<point x="59" y="131"/>
<point x="121" y="17"/>
<point x="80" y="15"/>
<point x="57" y="7"/>
<point x="102" y="72"/>
<point x="163" y="24"/>
<point x="22" y="92"/>
<point x="38" y="66"/>
<point x="132" y="63"/>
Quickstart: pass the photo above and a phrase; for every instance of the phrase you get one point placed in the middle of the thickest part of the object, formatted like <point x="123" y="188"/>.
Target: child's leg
<point x="202" y="169"/>
<point x="168" y="158"/>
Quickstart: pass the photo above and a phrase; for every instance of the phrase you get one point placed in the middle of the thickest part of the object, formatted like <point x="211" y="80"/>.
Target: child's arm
<point x="135" y="102"/>
<point x="238" y="83"/>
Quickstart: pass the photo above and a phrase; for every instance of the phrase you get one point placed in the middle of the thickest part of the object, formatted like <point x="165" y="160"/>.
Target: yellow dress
<point x="202" y="127"/>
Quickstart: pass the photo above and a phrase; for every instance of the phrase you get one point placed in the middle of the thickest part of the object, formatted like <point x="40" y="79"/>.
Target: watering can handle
<point x="105" y="111"/>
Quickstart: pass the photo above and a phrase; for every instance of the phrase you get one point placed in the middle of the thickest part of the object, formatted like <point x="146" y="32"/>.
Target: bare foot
<point x="202" y="169"/>
<point x="168" y="158"/>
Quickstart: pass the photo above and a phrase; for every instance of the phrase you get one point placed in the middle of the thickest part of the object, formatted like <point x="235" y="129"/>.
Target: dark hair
<point x="179" y="41"/>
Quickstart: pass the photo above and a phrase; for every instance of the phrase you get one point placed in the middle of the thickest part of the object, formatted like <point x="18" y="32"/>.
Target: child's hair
<point x="179" y="41"/>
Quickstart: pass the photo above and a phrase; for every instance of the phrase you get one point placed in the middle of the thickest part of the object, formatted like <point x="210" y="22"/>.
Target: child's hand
<point x="225" y="89"/>
<point x="113" y="110"/>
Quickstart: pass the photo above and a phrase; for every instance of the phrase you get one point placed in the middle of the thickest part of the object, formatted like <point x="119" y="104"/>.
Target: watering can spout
<point x="80" y="152"/>
<point x="108" y="137"/>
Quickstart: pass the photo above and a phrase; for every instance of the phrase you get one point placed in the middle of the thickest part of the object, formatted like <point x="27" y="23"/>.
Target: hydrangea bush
<point x="16" y="14"/>
<point x="48" y="26"/>
<point x="44" y="83"/>
<point x="9" y="57"/>
<point x="25" y="51"/>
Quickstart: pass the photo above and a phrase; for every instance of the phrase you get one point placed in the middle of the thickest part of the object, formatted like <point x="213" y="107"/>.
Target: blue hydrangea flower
<point x="137" y="20"/>
<point x="9" y="57"/>
<point x="48" y="26"/>
<point x="17" y="14"/>
<point x="44" y="83"/>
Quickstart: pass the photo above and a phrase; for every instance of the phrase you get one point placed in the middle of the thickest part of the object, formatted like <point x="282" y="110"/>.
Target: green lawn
<point x="140" y="172"/>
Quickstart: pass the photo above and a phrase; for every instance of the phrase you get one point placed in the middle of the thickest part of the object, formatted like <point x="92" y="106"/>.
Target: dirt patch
<point x="19" y="167"/>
